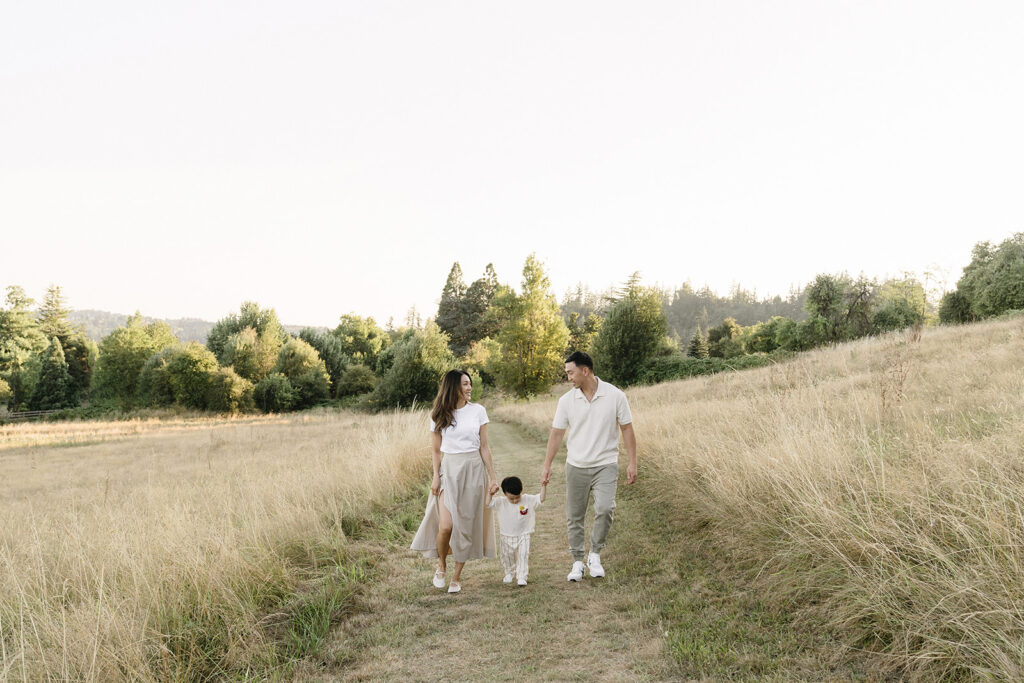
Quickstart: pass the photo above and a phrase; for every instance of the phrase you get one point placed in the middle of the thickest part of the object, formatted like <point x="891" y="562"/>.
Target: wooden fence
<point x="26" y="415"/>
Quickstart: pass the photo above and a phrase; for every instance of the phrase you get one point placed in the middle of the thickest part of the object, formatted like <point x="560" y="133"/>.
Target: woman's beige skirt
<point x="464" y="490"/>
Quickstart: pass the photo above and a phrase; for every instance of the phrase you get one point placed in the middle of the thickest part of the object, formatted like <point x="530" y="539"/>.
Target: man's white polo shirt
<point x="593" y="425"/>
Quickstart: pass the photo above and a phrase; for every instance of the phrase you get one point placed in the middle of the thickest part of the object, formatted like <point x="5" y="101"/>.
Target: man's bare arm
<point x="629" y="438"/>
<point x="554" y="443"/>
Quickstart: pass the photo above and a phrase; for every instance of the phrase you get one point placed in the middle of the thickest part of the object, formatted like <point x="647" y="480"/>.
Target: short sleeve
<point x="622" y="413"/>
<point x="494" y="501"/>
<point x="432" y="426"/>
<point x="536" y="500"/>
<point x="483" y="415"/>
<point x="561" y="420"/>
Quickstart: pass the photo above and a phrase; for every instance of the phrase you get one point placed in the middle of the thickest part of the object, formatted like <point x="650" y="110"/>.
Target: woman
<point x="456" y="521"/>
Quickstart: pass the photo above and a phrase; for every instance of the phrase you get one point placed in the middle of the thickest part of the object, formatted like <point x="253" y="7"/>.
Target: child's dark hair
<point x="512" y="486"/>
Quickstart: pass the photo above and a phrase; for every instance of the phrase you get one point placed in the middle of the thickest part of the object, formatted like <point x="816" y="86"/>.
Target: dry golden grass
<point x="876" y="487"/>
<point x="164" y="554"/>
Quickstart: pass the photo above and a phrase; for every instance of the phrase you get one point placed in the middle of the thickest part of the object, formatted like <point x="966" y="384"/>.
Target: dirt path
<point x="549" y="630"/>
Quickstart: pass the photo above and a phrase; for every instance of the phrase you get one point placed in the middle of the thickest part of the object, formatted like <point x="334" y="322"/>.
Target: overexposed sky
<point x="327" y="157"/>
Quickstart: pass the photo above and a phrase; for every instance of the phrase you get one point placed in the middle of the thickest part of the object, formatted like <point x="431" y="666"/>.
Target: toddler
<point x="516" y="512"/>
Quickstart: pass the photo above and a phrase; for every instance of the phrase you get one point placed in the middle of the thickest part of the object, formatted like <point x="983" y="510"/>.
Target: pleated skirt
<point x="464" y="488"/>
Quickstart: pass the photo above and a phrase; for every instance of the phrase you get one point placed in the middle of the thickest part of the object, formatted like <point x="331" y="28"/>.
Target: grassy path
<point x="670" y="609"/>
<point x="549" y="630"/>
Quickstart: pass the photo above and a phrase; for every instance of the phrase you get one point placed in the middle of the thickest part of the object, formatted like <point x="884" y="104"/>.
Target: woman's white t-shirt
<point x="463" y="436"/>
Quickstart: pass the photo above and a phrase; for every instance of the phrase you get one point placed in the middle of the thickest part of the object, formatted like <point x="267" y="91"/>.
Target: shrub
<point x="155" y="389"/>
<point x="122" y="355"/>
<point x="357" y="379"/>
<point x="666" y="368"/>
<point x="189" y="372"/>
<point x="263" y="321"/>
<point x="955" y="309"/>
<point x="274" y="394"/>
<point x="5" y="392"/>
<point x="227" y="392"/>
<point x="301" y="364"/>
<point x="419" y="362"/>
<point x="331" y="352"/>
<point x="252" y="354"/>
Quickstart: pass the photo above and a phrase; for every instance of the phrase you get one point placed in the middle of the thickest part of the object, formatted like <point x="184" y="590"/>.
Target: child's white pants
<point x="515" y="555"/>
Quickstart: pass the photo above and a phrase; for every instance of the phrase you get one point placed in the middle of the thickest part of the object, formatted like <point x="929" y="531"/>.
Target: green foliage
<point x="300" y="363"/>
<point x="763" y="337"/>
<point x="826" y="300"/>
<point x="53" y="390"/>
<point x="154" y="387"/>
<point x="534" y="337"/>
<point x="901" y="303"/>
<point x="251" y="353"/>
<point x="274" y="394"/>
<point x="698" y="347"/>
<point x="481" y="360"/>
<point x="263" y="321"/>
<point x="993" y="281"/>
<point x="330" y="350"/>
<point x="227" y="392"/>
<point x="632" y="334"/>
<point x="123" y="353"/>
<point x="420" y="359"/>
<point x="955" y="308"/>
<point x="357" y="379"/>
<point x="361" y="339"/>
<point x="449" y="313"/>
<point x="5" y="392"/>
<point x="726" y="340"/>
<point x="677" y="366"/>
<point x="53" y="314"/>
<point x="188" y="372"/>
<point x="582" y="332"/>
<point x="21" y="343"/>
<point x="462" y="312"/>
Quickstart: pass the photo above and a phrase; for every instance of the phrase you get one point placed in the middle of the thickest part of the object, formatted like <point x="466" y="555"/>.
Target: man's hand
<point x="631" y="473"/>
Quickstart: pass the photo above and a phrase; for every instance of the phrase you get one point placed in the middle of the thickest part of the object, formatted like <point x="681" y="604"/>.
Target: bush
<point x="274" y="394"/>
<point x="189" y="372"/>
<point x="264" y="321"/>
<point x="122" y="355"/>
<point x="155" y="389"/>
<point x="419" y="362"/>
<point x="677" y="366"/>
<point x="896" y="314"/>
<point x="5" y="392"/>
<point x="331" y="352"/>
<point x="357" y="379"/>
<point x="955" y="309"/>
<point x="301" y="364"/>
<point x="228" y="392"/>
<point x="251" y="354"/>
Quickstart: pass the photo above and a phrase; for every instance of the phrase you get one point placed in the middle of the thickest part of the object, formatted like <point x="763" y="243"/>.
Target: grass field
<point x="188" y="549"/>
<point x="874" y="490"/>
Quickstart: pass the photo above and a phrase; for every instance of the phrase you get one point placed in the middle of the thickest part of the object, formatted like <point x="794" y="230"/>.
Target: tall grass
<point x="191" y="553"/>
<point x="876" y="487"/>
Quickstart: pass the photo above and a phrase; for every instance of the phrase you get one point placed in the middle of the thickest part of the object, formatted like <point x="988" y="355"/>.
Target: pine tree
<point x="53" y="315"/>
<point x="53" y="390"/>
<point x="698" y="345"/>
<point x="449" y="310"/>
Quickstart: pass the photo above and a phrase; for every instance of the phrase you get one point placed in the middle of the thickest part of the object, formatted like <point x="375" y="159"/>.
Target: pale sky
<point x="327" y="157"/>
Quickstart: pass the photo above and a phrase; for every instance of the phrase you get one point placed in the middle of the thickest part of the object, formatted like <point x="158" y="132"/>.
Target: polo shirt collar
<point x="600" y="391"/>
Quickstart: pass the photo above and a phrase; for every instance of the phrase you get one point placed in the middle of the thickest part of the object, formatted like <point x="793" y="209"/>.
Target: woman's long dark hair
<point x="443" y="413"/>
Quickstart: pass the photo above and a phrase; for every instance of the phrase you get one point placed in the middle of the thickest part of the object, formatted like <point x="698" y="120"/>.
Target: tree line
<point x="506" y="338"/>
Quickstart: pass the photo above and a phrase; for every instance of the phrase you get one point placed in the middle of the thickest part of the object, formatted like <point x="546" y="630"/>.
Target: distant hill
<point x="99" y="324"/>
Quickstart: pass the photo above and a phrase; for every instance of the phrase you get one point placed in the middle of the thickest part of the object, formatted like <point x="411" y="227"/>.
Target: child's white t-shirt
<point x="515" y="519"/>
<point x="463" y="436"/>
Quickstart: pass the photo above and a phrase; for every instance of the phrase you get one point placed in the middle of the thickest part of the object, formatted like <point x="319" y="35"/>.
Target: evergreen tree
<point x="475" y="323"/>
<point x="53" y="390"/>
<point x="21" y="342"/>
<point x="534" y="337"/>
<point x="698" y="345"/>
<point x="634" y="332"/>
<point x="53" y="315"/>
<point x="449" y="310"/>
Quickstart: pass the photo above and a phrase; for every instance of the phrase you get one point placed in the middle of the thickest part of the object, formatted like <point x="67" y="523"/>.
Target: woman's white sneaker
<point x="594" y="566"/>
<point x="576" y="573"/>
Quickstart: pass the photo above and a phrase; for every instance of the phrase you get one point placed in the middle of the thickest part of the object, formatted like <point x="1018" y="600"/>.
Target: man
<point x="591" y="411"/>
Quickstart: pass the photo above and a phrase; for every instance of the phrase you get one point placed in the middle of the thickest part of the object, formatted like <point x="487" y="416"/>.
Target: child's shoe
<point x="507" y="579"/>
<point x="522" y="582"/>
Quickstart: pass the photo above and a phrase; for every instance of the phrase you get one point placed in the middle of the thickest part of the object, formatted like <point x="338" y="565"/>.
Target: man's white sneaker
<point x="507" y="579"/>
<point x="577" y="571"/>
<point x="522" y="582"/>
<point x="594" y="566"/>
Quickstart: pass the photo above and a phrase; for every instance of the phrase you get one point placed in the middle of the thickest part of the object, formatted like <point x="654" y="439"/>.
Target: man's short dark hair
<point x="581" y="360"/>
<point x="512" y="486"/>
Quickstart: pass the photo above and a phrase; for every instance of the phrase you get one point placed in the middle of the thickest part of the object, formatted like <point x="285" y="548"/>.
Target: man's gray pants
<point x="579" y="483"/>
